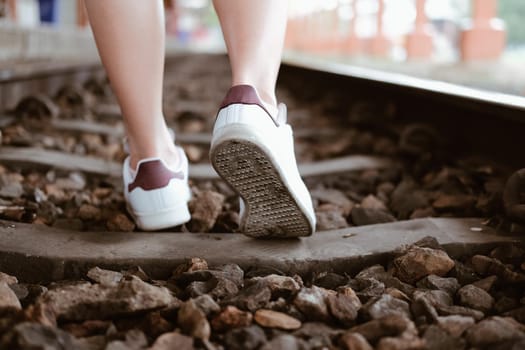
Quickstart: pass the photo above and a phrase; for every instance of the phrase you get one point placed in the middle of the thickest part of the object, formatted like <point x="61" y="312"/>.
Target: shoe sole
<point x="271" y="211"/>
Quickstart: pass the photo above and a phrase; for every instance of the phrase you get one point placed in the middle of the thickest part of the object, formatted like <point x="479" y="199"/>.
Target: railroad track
<point x="389" y="163"/>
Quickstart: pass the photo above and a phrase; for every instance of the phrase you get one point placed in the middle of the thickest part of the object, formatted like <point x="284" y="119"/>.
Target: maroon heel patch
<point x="152" y="175"/>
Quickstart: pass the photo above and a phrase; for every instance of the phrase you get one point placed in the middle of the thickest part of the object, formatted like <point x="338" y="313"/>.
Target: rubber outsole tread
<point x="270" y="209"/>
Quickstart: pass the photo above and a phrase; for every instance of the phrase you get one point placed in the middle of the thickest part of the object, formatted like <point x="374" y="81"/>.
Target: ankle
<point x="170" y="156"/>
<point x="158" y="147"/>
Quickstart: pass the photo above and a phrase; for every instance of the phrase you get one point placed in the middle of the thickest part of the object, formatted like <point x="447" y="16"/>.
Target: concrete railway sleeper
<point x="419" y="242"/>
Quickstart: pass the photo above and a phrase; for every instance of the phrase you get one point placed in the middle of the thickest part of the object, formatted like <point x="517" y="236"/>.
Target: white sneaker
<point x="157" y="196"/>
<point x="255" y="154"/>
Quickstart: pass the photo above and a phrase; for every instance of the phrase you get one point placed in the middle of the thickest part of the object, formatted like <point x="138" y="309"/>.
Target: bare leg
<point x="130" y="37"/>
<point x="254" y="33"/>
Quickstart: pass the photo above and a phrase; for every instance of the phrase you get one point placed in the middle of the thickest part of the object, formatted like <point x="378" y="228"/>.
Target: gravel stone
<point x="311" y="302"/>
<point x="427" y="301"/>
<point x="372" y="202"/>
<point x="34" y="336"/>
<point x="11" y="190"/>
<point x="248" y="338"/>
<point x="96" y="342"/>
<point x="335" y="197"/>
<point x="95" y="301"/>
<point x="330" y="220"/>
<point x="20" y="290"/>
<point x="205" y="208"/>
<point x="104" y="277"/>
<point x="253" y="297"/>
<point x="437" y="339"/>
<point x="486" y="283"/>
<point x="193" y="264"/>
<point x="455" y="325"/>
<point x="385" y="305"/>
<point x="343" y="307"/>
<point x="317" y="335"/>
<point x="224" y="288"/>
<point x="207" y="304"/>
<point x="171" y="341"/>
<point x="518" y="314"/>
<point x="421" y="213"/>
<point x="193" y="321"/>
<point x="354" y="341"/>
<point x="419" y="262"/>
<point x="366" y="216"/>
<point x="485" y="265"/>
<point x="476" y="298"/>
<point x="387" y="326"/>
<point x="370" y="288"/>
<point x="154" y="324"/>
<point x="406" y="198"/>
<point x="330" y="280"/>
<point x="231" y="272"/>
<point x="134" y="340"/>
<point x="461" y="311"/>
<point x="436" y="298"/>
<point x="8" y="298"/>
<point x="505" y="304"/>
<point x="456" y="202"/>
<point x="378" y="273"/>
<point x="89" y="212"/>
<point x="508" y="254"/>
<point x="494" y="330"/>
<point x="198" y="288"/>
<point x="87" y="328"/>
<point x="4" y="277"/>
<point x="401" y="343"/>
<point x="396" y="293"/>
<point x="464" y="274"/>
<point x="120" y="223"/>
<point x="231" y="317"/>
<point x="281" y="286"/>
<point x="283" y="342"/>
<point x="41" y="313"/>
<point x="275" y="319"/>
<point x="137" y="271"/>
<point x="515" y="344"/>
<point x="446" y="284"/>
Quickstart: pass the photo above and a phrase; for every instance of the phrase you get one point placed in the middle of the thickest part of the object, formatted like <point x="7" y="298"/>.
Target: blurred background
<point x="477" y="43"/>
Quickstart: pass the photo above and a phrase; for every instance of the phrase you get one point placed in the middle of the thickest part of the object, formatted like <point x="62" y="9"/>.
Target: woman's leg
<point x="254" y="32"/>
<point x="130" y="37"/>
<point x="252" y="153"/>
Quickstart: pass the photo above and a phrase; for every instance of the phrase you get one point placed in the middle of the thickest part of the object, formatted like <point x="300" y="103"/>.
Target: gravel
<point x="119" y="310"/>
<point x="420" y="187"/>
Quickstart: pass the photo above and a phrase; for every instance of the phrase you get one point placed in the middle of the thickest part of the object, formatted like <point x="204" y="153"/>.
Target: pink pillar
<point x="12" y="10"/>
<point x="485" y="38"/>
<point x="289" y="39"/>
<point x="332" y="37"/>
<point x="304" y="27"/>
<point x="335" y="36"/>
<point x="419" y="43"/>
<point x="315" y="32"/>
<point x="353" y="43"/>
<point x="380" y="44"/>
<point x="82" y="18"/>
<point x="171" y="16"/>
